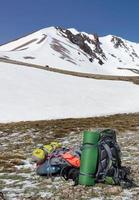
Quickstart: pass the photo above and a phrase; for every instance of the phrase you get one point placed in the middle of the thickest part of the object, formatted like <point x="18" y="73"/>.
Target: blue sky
<point x="117" y="17"/>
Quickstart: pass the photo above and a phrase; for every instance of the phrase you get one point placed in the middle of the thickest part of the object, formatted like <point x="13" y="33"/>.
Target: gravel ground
<point x="18" y="179"/>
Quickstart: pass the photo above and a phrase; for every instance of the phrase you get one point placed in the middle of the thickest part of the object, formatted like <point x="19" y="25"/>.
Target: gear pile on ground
<point x="97" y="160"/>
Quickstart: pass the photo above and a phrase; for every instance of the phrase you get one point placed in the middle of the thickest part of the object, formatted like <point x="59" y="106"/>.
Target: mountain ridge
<point x="73" y="50"/>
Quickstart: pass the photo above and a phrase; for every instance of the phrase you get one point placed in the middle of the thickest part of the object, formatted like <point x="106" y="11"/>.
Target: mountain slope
<point x="34" y="94"/>
<point x="72" y="50"/>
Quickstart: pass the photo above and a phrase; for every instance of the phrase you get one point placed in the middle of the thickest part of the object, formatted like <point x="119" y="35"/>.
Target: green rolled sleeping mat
<point x="89" y="158"/>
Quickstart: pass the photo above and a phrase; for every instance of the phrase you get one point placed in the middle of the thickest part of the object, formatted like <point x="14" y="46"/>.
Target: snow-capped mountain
<point x="76" y="51"/>
<point x="29" y="93"/>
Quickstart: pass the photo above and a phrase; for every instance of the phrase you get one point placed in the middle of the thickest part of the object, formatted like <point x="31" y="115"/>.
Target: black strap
<point x="87" y="174"/>
<point x="89" y="145"/>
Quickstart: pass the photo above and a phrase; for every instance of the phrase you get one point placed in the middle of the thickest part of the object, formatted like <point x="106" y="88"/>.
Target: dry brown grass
<point x="61" y="127"/>
<point x="19" y="139"/>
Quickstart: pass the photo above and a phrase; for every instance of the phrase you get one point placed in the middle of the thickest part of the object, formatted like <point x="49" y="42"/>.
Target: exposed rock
<point x="91" y="59"/>
<point x="82" y="41"/>
<point x="2" y="196"/>
<point x="57" y="46"/>
<point x="118" y="42"/>
<point x="113" y="190"/>
<point x="134" y="53"/>
<point x="29" y="57"/>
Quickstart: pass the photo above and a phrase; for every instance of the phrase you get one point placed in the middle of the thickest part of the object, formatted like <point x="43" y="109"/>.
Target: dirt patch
<point x="136" y="71"/>
<point x="29" y="57"/>
<point x="58" y="47"/>
<point x="25" y="44"/>
<point x="42" y="39"/>
<point x="133" y="79"/>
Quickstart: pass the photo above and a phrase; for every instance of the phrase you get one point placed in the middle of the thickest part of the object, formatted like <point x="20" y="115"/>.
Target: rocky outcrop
<point x="84" y="42"/>
<point x="118" y="42"/>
